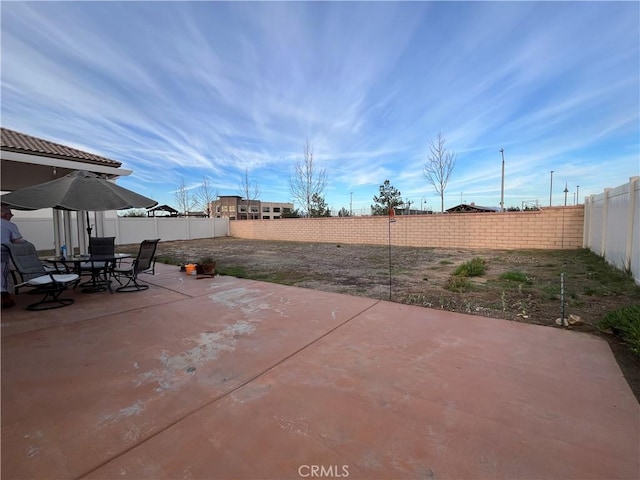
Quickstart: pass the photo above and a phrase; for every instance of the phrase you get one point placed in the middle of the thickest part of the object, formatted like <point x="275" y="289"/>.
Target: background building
<point x="274" y="210"/>
<point x="234" y="207"/>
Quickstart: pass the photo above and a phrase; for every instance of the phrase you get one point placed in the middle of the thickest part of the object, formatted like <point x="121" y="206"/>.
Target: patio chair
<point x="102" y="245"/>
<point x="28" y="271"/>
<point x="144" y="262"/>
<point x="98" y="269"/>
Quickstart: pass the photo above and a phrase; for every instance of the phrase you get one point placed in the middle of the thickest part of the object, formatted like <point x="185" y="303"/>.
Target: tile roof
<point x="471" y="208"/>
<point x="12" y="141"/>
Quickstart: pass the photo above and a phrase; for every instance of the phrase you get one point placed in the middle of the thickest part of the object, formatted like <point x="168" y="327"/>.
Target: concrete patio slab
<point x="230" y="378"/>
<point x="87" y="306"/>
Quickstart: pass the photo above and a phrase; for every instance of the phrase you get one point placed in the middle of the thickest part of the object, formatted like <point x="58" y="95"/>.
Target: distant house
<point x="162" y="211"/>
<point x="195" y="214"/>
<point x="471" y="208"/>
<point x="167" y="211"/>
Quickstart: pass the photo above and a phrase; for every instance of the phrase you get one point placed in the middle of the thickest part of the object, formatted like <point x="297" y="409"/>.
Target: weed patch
<point x="515" y="276"/>
<point x="233" y="271"/>
<point x="168" y="260"/>
<point x="473" y="268"/>
<point x="624" y="322"/>
<point x="458" y="284"/>
<point x="551" y="292"/>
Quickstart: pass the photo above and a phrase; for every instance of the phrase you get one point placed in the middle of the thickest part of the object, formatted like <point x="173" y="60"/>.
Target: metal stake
<point x="391" y="220"/>
<point x="562" y="299"/>
<point x="502" y="183"/>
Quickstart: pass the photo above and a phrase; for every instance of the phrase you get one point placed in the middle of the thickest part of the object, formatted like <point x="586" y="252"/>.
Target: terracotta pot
<point x="208" y="268"/>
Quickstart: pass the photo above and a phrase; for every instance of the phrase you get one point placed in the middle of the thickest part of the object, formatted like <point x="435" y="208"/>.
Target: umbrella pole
<point x="81" y="223"/>
<point x="68" y="237"/>
<point x="89" y="229"/>
<point x="58" y="231"/>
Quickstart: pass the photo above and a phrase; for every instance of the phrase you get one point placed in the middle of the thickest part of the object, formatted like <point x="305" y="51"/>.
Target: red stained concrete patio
<point x="230" y="378"/>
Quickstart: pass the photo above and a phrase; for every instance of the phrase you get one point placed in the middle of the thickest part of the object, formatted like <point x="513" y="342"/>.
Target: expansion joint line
<point x="226" y="394"/>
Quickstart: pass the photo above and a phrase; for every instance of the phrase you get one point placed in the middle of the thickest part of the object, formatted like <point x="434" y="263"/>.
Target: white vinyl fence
<point x="612" y="226"/>
<point x="38" y="228"/>
<point x="135" y="229"/>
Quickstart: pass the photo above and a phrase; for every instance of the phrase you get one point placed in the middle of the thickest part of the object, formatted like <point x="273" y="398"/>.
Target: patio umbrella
<point x="79" y="190"/>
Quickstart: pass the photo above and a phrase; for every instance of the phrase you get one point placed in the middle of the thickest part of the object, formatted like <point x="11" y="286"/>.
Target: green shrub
<point x="624" y="322"/>
<point x="515" y="276"/>
<point x="473" y="268"/>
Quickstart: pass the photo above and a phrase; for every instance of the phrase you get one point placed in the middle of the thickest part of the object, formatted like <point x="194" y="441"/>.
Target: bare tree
<point x="307" y="181"/>
<point x="184" y="199"/>
<point x="205" y="195"/>
<point x="439" y="166"/>
<point x="249" y="190"/>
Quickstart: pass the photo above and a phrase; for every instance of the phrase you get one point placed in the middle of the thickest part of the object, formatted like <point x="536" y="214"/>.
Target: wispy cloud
<point x="187" y="90"/>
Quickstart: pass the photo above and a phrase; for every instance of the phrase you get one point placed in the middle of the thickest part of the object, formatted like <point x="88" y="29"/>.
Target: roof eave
<point x="111" y="172"/>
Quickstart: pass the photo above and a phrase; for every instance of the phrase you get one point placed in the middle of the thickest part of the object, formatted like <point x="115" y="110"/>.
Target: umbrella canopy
<point x="78" y="190"/>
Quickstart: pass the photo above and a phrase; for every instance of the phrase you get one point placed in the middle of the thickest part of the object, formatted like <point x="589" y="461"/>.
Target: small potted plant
<point x="206" y="266"/>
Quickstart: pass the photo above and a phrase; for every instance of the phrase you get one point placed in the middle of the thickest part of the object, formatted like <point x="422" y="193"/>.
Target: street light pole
<point x="502" y="184"/>
<point x="551" y="188"/>
<point x="351" y="205"/>
<point x="566" y="190"/>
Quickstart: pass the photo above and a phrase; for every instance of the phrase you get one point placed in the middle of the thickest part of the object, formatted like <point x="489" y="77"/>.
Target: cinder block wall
<point x="549" y="228"/>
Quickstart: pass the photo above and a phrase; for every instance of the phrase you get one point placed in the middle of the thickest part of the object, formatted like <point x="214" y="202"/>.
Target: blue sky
<point x="182" y="91"/>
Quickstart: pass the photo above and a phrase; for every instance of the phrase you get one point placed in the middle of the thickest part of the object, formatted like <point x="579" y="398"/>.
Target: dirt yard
<point x="523" y="286"/>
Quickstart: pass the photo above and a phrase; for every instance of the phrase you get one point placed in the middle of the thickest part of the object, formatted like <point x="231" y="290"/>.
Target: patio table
<point x="100" y="267"/>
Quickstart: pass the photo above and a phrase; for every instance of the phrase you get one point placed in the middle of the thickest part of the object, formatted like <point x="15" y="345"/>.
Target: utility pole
<point x="351" y="205"/>
<point x="577" y="194"/>
<point x="566" y="190"/>
<point x="551" y="188"/>
<point x="502" y="185"/>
